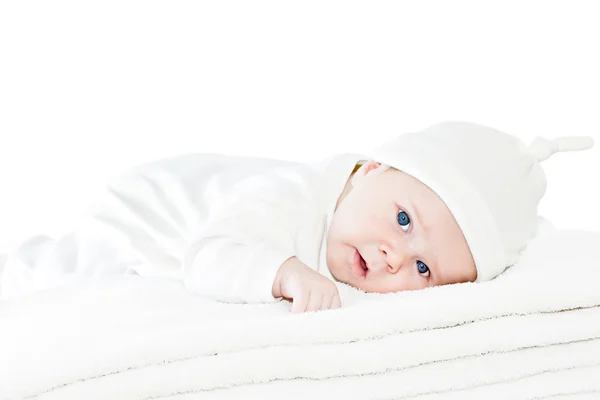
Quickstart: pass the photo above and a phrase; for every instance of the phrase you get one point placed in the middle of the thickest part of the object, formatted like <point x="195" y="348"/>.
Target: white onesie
<point x="223" y="225"/>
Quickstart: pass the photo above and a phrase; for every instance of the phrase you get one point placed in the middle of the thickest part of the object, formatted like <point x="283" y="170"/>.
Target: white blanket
<point x="533" y="332"/>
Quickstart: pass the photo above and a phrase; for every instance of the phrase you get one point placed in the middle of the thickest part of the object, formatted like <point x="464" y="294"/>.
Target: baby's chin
<point x="342" y="274"/>
<point x="335" y="272"/>
<point x="338" y="258"/>
<point x="336" y="269"/>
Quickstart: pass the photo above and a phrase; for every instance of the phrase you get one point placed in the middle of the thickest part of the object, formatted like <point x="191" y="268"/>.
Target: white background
<point x="88" y="89"/>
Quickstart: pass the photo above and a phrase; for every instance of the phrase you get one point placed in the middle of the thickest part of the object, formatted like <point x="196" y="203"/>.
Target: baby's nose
<point x="395" y="262"/>
<point x="395" y="257"/>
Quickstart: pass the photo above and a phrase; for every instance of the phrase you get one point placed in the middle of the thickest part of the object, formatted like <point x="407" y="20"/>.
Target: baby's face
<point x="390" y="232"/>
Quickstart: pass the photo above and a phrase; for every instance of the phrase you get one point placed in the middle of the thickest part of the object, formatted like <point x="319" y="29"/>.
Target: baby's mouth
<point x="359" y="264"/>
<point x="363" y="263"/>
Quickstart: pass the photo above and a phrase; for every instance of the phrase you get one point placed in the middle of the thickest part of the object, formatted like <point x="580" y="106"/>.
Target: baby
<point x="456" y="202"/>
<point x="389" y="233"/>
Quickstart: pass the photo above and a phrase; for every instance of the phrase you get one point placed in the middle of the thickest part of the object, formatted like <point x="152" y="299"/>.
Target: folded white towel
<point x="131" y="338"/>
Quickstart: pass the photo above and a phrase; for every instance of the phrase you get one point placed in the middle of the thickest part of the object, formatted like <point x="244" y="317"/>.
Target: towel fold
<point x="134" y="338"/>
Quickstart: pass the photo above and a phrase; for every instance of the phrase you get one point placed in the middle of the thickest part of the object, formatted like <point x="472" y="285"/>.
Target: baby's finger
<point x="337" y="302"/>
<point x="327" y="300"/>
<point x="299" y="303"/>
<point x="315" y="301"/>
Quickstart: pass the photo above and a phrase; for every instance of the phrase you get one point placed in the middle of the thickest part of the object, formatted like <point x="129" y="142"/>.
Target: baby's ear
<point x="369" y="166"/>
<point x="364" y="170"/>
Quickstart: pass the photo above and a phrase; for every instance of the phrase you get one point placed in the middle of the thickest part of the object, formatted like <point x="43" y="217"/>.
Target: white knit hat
<point x="489" y="180"/>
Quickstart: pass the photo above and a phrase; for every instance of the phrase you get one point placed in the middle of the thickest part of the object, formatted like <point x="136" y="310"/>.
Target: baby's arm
<point x="232" y="268"/>
<point x="247" y="253"/>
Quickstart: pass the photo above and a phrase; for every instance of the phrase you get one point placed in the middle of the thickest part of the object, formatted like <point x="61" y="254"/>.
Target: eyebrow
<point x="436" y="265"/>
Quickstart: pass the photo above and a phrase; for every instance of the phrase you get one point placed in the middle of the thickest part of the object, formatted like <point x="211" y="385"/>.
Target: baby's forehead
<point x="406" y="188"/>
<point x="400" y="179"/>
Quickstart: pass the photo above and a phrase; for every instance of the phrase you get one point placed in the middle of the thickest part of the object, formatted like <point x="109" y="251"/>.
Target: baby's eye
<point x="403" y="220"/>
<point x="422" y="268"/>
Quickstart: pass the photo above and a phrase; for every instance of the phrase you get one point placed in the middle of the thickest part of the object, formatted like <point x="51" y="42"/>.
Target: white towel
<point x="131" y="338"/>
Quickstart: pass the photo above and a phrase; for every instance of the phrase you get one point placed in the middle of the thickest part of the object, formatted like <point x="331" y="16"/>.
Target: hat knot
<point x="543" y="148"/>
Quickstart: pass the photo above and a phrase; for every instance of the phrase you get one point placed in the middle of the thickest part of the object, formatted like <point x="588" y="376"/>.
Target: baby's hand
<point x="309" y="290"/>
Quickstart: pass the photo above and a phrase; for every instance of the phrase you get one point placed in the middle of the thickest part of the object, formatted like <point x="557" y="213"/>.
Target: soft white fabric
<point x="221" y="224"/>
<point x="490" y="181"/>
<point x="534" y="331"/>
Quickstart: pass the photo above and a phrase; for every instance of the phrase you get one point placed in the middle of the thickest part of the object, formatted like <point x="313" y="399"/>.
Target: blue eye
<point x="403" y="220"/>
<point x="422" y="268"/>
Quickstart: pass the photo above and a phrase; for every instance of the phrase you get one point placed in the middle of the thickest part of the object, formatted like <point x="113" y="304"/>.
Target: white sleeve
<point x="235" y="258"/>
<point x="233" y="271"/>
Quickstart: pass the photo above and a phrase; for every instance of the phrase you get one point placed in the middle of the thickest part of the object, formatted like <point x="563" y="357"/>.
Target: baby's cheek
<point x="396" y="283"/>
<point x="416" y="281"/>
<point x="466" y="273"/>
<point x="356" y="230"/>
<point x="369" y="225"/>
